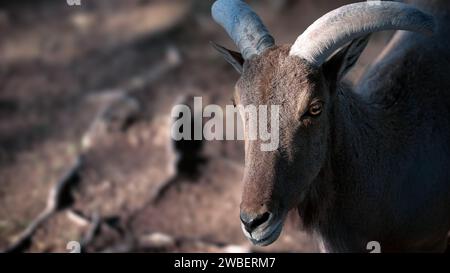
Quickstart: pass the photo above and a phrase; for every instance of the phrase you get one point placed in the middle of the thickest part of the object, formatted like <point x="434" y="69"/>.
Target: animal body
<point x="360" y="163"/>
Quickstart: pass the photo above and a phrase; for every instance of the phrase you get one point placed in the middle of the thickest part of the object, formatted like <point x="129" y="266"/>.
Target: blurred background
<point x="85" y="149"/>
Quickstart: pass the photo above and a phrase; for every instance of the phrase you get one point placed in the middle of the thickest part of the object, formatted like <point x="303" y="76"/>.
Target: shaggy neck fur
<point x="371" y="138"/>
<point x="358" y="138"/>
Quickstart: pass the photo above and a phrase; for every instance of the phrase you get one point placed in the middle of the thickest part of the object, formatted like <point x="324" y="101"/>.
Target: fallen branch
<point x="118" y="112"/>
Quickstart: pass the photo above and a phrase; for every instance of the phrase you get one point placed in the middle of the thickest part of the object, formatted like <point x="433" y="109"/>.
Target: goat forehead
<point x="274" y="78"/>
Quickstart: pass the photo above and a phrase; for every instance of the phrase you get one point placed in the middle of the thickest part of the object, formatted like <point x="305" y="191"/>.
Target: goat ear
<point x="234" y="58"/>
<point x="337" y="67"/>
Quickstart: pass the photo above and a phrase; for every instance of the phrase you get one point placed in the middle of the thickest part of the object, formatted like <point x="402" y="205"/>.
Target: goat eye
<point x="315" y="109"/>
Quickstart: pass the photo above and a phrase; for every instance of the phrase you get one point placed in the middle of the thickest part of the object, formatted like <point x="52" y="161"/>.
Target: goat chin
<point x="266" y="235"/>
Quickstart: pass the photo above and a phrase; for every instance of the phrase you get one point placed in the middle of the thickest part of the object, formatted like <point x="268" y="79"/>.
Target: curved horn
<point x="243" y="25"/>
<point x="335" y="29"/>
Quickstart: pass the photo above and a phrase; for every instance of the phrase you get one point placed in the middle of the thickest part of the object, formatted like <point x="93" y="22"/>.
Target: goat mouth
<point x="266" y="236"/>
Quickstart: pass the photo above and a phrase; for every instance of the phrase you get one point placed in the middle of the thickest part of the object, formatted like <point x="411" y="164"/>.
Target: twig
<point x="93" y="230"/>
<point x="77" y="218"/>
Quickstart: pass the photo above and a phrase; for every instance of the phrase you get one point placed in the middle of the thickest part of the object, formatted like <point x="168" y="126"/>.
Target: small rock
<point x="236" y="249"/>
<point x="157" y="240"/>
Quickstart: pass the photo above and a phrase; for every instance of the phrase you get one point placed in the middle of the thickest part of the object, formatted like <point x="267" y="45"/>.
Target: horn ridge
<point x="342" y="25"/>
<point x="243" y="25"/>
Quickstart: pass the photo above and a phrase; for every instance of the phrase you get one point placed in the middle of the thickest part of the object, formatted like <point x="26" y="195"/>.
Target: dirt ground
<point x="60" y="66"/>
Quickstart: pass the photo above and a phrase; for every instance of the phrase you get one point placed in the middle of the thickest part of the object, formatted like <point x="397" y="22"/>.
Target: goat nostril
<point x="259" y="220"/>
<point x="251" y="223"/>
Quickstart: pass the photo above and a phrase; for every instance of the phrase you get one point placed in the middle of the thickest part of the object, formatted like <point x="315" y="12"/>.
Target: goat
<point x="362" y="163"/>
